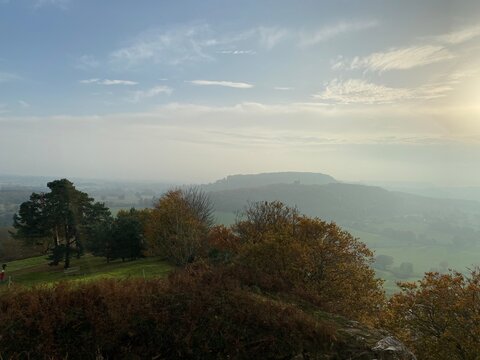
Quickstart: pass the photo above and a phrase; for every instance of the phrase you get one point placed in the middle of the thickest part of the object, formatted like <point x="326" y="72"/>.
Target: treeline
<point x="256" y="289"/>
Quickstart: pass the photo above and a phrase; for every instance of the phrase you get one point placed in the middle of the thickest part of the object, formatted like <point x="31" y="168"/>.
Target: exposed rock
<point x="391" y="348"/>
<point x="359" y="342"/>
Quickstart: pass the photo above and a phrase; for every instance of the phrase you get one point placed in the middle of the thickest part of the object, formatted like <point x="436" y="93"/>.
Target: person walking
<point x="2" y="274"/>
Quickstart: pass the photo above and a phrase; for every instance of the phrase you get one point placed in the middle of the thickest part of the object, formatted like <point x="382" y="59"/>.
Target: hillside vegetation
<point x="274" y="284"/>
<point x="428" y="233"/>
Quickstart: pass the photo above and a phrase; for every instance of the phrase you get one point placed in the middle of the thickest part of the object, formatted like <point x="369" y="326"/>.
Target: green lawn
<point x="36" y="271"/>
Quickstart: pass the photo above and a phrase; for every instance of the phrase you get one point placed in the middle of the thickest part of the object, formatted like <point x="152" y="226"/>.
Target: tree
<point x="178" y="226"/>
<point x="287" y="252"/>
<point x="438" y="316"/>
<point x="121" y="237"/>
<point x="62" y="218"/>
<point x="382" y="262"/>
<point x="101" y="242"/>
<point x="405" y="270"/>
<point x="128" y="233"/>
<point x="261" y="218"/>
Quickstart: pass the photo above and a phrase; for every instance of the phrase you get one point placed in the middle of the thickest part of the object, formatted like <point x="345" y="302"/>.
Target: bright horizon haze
<point x="191" y="91"/>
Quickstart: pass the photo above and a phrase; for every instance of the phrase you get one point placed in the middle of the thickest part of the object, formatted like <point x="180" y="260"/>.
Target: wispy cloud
<point x="199" y="42"/>
<point x="137" y="96"/>
<point x="24" y="104"/>
<point x="108" y="82"/>
<point x="359" y="91"/>
<point x="87" y="62"/>
<point x="331" y="31"/>
<point x="283" y="88"/>
<point x="238" y="85"/>
<point x="173" y="46"/>
<point x="398" y="58"/>
<point x="269" y="37"/>
<point x="237" y="52"/>
<point x="459" y="36"/>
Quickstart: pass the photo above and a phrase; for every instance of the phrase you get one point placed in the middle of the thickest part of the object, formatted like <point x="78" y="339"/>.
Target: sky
<point x="192" y="91"/>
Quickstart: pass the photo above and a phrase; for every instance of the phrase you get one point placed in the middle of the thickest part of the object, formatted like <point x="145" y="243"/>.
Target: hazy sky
<point x="196" y="90"/>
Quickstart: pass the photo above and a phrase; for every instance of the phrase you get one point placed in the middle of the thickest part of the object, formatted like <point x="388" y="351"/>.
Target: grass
<point x="423" y="257"/>
<point x="36" y="271"/>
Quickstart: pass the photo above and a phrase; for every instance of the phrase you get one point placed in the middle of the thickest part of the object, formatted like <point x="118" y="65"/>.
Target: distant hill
<point x="345" y="202"/>
<point x="258" y="180"/>
<point x="430" y="234"/>
<point x="466" y="193"/>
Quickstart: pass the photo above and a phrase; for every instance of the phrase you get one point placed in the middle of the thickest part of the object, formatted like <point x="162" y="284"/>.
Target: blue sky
<point x="196" y="90"/>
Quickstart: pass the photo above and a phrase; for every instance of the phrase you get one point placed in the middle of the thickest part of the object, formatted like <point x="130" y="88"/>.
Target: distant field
<point x="36" y="271"/>
<point x="225" y="218"/>
<point x="423" y="257"/>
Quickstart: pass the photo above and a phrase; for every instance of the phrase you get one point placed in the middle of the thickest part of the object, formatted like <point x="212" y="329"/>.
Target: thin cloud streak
<point x="199" y="42"/>
<point x="329" y="32"/>
<point x="108" y="82"/>
<point x="398" y="58"/>
<point x="459" y="36"/>
<point x="269" y="37"/>
<point x="359" y="91"/>
<point x="137" y="96"/>
<point x="237" y="52"/>
<point x="231" y="84"/>
<point x="175" y="46"/>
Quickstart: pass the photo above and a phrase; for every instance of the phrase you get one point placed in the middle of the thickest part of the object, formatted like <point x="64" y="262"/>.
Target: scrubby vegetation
<point x="196" y="314"/>
<point x="439" y="316"/>
<point x="275" y="284"/>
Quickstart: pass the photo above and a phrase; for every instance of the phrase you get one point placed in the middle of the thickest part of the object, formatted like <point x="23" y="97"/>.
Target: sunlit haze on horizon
<point x="192" y="91"/>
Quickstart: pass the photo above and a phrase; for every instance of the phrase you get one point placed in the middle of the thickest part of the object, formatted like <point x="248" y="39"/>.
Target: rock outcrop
<point x="356" y="341"/>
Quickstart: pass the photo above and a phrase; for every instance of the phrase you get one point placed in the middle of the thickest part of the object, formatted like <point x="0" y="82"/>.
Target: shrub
<point x="285" y="252"/>
<point x="198" y="313"/>
<point x="438" y="316"/>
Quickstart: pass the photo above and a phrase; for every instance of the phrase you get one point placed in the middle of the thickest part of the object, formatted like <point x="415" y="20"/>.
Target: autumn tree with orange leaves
<point x="285" y="251"/>
<point x="179" y="224"/>
<point x="439" y="316"/>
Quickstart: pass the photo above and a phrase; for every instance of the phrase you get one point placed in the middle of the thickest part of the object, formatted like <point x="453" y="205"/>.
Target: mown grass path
<point x="36" y="271"/>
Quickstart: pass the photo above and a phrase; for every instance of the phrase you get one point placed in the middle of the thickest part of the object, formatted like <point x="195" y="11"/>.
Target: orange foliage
<point x="283" y="251"/>
<point x="196" y="314"/>
<point x="174" y="230"/>
<point x="439" y="316"/>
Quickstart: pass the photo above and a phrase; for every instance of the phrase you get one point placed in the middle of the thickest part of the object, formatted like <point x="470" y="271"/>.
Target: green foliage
<point x="404" y="270"/>
<point x="383" y="261"/>
<point x="62" y="219"/>
<point x="35" y="271"/>
<point x="122" y="237"/>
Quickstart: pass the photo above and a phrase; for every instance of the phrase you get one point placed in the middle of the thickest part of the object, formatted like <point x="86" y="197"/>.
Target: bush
<point x="283" y="251"/>
<point x="438" y="317"/>
<point x="178" y="226"/>
<point x="198" y="313"/>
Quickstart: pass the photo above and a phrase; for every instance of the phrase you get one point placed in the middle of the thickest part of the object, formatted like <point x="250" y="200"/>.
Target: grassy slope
<point x="423" y="257"/>
<point x="36" y="271"/>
